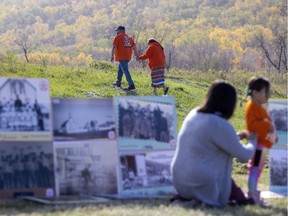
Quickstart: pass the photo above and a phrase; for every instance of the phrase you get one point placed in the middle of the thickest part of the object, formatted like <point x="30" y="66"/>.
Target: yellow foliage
<point x="89" y="58"/>
<point x="55" y="58"/>
<point x="82" y="59"/>
<point x="66" y="60"/>
<point x="6" y="40"/>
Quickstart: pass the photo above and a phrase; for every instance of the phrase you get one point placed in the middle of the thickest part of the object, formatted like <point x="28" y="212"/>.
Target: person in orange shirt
<point x="258" y="121"/>
<point x="123" y="44"/>
<point x="156" y="62"/>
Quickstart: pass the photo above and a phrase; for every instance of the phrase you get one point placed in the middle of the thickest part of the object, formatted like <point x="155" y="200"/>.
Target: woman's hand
<point x="242" y="134"/>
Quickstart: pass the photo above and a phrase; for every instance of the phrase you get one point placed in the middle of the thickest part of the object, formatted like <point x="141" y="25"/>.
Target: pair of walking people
<point x="123" y="44"/>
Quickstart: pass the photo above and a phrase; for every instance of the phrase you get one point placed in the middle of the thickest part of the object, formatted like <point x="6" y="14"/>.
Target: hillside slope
<point x="188" y="87"/>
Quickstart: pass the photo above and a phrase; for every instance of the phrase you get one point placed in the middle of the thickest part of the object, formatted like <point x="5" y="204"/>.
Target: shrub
<point x="102" y="65"/>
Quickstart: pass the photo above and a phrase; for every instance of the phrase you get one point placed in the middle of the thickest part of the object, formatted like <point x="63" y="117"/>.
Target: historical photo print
<point x="86" y="167"/>
<point x="25" y="109"/>
<point x="146" y="122"/>
<point x="146" y="173"/>
<point x="278" y="169"/>
<point x="26" y="166"/>
<point x="82" y="119"/>
<point x="278" y="110"/>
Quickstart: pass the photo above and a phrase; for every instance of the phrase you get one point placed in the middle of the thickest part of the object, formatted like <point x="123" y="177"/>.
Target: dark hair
<point x="257" y="83"/>
<point x="152" y="40"/>
<point x="220" y="99"/>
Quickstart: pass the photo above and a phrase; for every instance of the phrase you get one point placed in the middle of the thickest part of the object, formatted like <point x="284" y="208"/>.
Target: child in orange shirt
<point x="156" y="57"/>
<point x="258" y="121"/>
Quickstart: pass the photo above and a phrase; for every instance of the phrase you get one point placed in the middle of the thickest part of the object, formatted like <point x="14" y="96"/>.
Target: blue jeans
<point x="123" y="69"/>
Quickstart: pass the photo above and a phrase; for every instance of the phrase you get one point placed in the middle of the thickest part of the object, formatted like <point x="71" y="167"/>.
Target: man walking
<point x="122" y="50"/>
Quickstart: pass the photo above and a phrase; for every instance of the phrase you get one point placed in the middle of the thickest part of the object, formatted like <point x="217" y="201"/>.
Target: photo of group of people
<point x="279" y="113"/>
<point x="24" y="106"/>
<point x="145" y="120"/>
<point x="81" y="119"/>
<point x="143" y="171"/>
<point x="26" y="165"/>
<point x="145" y="123"/>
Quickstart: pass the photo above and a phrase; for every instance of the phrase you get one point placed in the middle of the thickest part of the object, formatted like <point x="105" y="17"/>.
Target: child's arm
<point x="272" y="136"/>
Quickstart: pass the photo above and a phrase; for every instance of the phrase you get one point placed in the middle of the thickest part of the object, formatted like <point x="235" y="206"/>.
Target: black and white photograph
<point x="83" y="119"/>
<point x="25" y="108"/>
<point x="86" y="168"/>
<point x="26" y="165"/>
<point x="141" y="172"/>
<point x="279" y="113"/>
<point x="278" y="168"/>
<point x="145" y="123"/>
<point x="278" y="110"/>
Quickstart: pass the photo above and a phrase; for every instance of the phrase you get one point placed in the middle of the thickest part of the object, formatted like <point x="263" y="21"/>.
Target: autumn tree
<point x="25" y="42"/>
<point x="275" y="50"/>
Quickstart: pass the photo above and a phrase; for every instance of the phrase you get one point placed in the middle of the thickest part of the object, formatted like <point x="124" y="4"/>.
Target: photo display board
<point x="145" y="123"/>
<point x="278" y="110"/>
<point x="86" y="167"/>
<point x="25" y="110"/>
<point x="83" y="119"/>
<point x="146" y="173"/>
<point x="26" y="168"/>
<point x="26" y="151"/>
<point x="146" y="129"/>
<point x="85" y="146"/>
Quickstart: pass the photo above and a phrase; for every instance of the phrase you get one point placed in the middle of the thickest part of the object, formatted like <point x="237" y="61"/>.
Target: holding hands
<point x="246" y="135"/>
<point x="272" y="136"/>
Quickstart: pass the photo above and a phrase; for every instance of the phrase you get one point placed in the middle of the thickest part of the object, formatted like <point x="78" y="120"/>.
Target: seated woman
<point x="206" y="145"/>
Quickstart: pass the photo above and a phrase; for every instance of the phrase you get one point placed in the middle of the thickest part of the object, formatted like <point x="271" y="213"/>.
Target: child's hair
<point x="257" y="83"/>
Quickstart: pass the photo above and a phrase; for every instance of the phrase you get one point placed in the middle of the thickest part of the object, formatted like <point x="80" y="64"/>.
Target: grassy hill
<point x="188" y="87"/>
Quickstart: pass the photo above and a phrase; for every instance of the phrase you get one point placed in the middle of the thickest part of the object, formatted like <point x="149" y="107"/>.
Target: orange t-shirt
<point x="123" y="44"/>
<point x="155" y="54"/>
<point x="258" y="121"/>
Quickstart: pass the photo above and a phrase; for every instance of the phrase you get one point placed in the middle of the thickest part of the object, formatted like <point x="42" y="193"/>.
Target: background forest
<point x="203" y="35"/>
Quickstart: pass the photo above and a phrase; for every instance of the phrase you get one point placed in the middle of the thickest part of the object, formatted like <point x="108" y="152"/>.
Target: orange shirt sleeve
<point x="147" y="53"/>
<point x="155" y="54"/>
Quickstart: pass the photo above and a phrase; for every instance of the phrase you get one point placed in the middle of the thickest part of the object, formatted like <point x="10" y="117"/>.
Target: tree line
<point x="196" y="34"/>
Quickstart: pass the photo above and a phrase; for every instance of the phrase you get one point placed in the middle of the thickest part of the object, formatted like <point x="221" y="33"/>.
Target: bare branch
<point x="260" y="38"/>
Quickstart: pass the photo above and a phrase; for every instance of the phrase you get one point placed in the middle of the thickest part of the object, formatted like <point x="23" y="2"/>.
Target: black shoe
<point x="116" y="84"/>
<point x="245" y="201"/>
<point x="130" y="88"/>
<point x="166" y="90"/>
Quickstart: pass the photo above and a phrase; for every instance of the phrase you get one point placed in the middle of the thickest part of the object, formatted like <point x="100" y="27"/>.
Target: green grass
<point x="149" y="207"/>
<point x="188" y="88"/>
